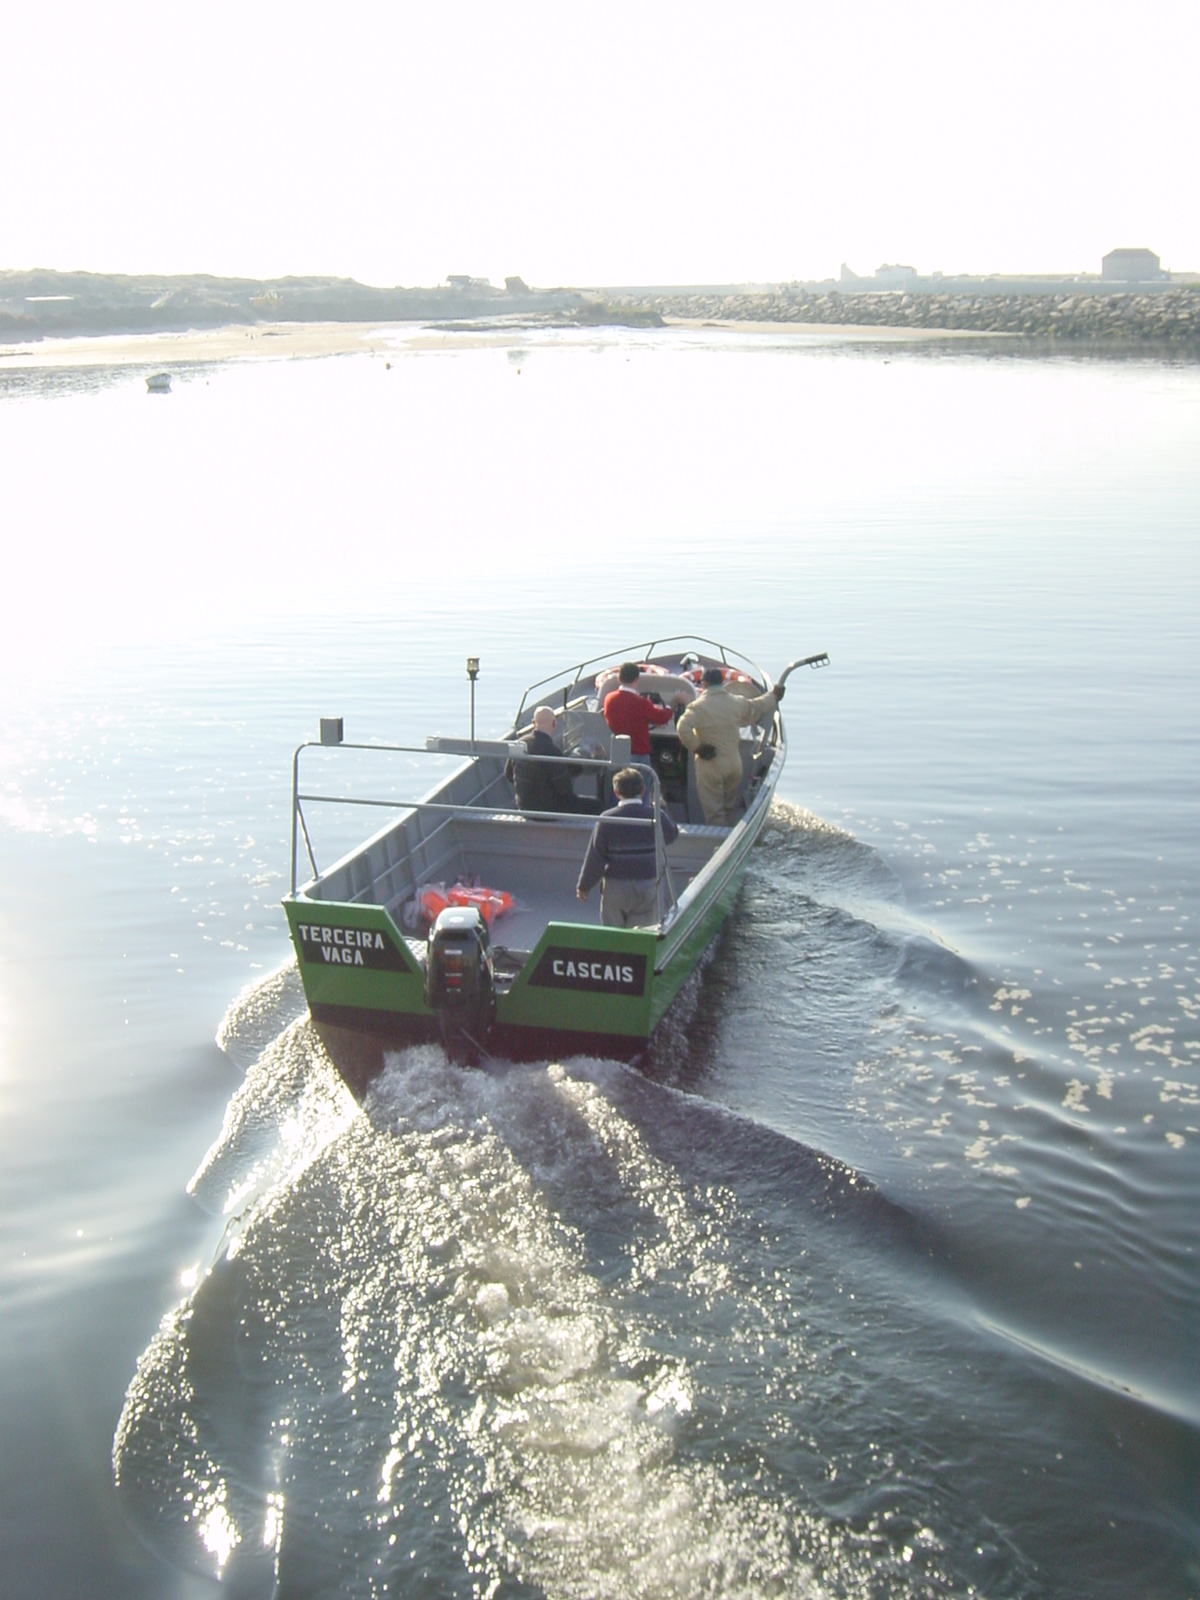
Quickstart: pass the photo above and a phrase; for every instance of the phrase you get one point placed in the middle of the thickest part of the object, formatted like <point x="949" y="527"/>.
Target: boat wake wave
<point x="486" y="1331"/>
<point x="259" y="1012"/>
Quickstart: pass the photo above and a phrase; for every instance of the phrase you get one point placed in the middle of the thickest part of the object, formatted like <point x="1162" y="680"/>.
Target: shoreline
<point x="314" y="340"/>
<point x="177" y="351"/>
<point x="195" y="347"/>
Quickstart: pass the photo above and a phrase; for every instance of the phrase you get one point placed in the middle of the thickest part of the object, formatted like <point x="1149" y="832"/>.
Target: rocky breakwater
<point x="1167" y="318"/>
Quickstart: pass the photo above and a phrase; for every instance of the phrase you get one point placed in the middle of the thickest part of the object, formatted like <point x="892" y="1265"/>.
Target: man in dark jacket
<point x="622" y="856"/>
<point x="545" y="785"/>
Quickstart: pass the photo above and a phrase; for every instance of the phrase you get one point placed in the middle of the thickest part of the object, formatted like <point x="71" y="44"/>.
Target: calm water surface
<point x="879" y="1276"/>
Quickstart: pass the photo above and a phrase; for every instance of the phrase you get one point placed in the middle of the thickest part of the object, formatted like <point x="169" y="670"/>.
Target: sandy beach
<point x="299" y="340"/>
<point x="266" y="341"/>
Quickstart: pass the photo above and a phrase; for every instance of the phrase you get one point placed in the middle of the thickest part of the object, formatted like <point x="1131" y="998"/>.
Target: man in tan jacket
<point x="709" y="727"/>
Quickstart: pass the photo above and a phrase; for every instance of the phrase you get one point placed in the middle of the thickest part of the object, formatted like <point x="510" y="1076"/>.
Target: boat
<point x="159" y="383"/>
<point x="459" y="920"/>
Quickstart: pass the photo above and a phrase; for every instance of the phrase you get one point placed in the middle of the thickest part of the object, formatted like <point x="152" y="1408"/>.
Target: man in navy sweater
<point x="622" y="856"/>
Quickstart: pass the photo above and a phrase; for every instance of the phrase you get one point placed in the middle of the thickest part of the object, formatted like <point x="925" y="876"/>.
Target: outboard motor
<point x="460" y="979"/>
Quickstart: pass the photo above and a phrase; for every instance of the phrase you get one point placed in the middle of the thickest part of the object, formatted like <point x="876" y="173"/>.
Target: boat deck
<point x="534" y="859"/>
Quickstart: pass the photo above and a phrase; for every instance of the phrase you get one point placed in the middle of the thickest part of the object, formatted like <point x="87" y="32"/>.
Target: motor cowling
<point x="459" y="976"/>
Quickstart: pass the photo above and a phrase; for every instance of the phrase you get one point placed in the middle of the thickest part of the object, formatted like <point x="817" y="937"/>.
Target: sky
<point x="623" y="144"/>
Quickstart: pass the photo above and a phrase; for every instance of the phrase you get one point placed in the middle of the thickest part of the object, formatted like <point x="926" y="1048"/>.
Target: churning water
<point x="878" y="1276"/>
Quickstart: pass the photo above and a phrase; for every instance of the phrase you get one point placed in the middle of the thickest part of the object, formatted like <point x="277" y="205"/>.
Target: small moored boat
<point x="459" y="918"/>
<point x="159" y="383"/>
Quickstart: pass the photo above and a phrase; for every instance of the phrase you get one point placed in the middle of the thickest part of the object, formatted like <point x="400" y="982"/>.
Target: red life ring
<point x="728" y="675"/>
<point x="646" y="669"/>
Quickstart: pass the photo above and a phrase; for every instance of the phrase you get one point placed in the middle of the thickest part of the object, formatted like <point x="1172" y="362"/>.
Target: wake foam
<point x="262" y="1008"/>
<point x="442" y="1336"/>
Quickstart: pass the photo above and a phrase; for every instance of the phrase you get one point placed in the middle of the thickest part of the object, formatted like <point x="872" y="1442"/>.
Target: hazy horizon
<point x="761" y="146"/>
<point x="864" y="275"/>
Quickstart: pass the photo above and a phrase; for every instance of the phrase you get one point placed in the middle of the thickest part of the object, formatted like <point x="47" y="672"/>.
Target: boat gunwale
<point x="725" y="860"/>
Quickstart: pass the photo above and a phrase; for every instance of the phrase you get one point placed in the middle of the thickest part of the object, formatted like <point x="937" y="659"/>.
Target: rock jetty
<point x="1162" y="317"/>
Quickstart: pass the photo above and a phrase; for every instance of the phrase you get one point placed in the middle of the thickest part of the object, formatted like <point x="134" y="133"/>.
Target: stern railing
<point x="478" y="750"/>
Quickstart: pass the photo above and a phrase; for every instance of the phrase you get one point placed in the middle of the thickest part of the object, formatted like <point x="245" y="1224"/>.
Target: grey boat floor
<point x="518" y="931"/>
<point x="548" y="894"/>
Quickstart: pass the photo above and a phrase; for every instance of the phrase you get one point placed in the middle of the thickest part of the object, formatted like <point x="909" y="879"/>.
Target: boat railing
<point x="475" y="749"/>
<point x="637" y="652"/>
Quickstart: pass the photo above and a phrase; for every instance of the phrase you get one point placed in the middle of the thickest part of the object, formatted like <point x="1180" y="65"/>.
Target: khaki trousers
<point x="628" y="902"/>
<point x="717" y="785"/>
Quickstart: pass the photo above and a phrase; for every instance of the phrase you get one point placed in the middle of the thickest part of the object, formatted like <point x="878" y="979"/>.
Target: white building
<point x="1132" y="266"/>
<point x="895" y="276"/>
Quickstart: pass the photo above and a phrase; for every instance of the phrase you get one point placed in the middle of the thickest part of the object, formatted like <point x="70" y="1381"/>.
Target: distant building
<point x="1132" y="266"/>
<point x="848" y="276"/>
<point x="895" y="277"/>
<point x="462" y="281"/>
<point x="516" y="286"/>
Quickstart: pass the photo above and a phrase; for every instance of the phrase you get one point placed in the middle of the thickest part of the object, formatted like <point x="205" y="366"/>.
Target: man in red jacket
<point x="627" y="711"/>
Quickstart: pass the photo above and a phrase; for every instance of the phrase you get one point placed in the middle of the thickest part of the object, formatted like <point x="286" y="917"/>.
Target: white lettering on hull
<point x="596" y="971"/>
<point x="601" y="972"/>
<point x="349" y="947"/>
